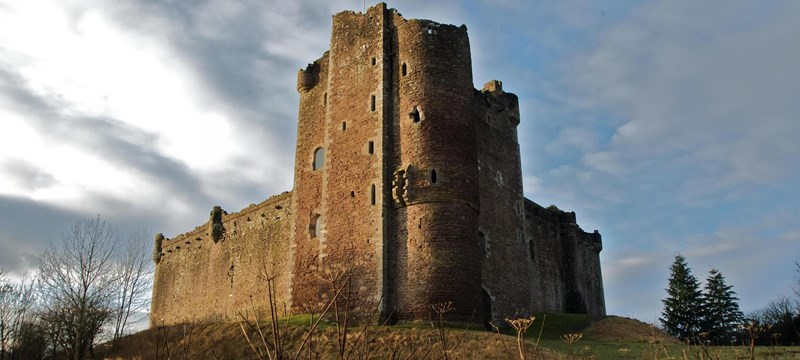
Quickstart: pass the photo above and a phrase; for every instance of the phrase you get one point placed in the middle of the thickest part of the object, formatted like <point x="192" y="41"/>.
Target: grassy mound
<point x="615" y="328"/>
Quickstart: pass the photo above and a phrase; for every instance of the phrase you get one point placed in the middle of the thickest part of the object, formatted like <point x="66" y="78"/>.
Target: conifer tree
<point x="721" y="314"/>
<point x="683" y="306"/>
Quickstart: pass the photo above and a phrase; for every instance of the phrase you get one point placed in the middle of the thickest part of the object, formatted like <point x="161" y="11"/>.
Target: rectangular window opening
<point x="374" y="61"/>
<point x="344" y="125"/>
<point x="372" y="195"/>
<point x="372" y="103"/>
<point x="371" y="147"/>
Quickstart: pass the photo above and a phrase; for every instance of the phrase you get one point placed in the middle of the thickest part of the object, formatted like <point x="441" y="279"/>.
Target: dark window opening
<point x="372" y="195"/>
<point x="352" y="194"/>
<point x="530" y="247"/>
<point x="371" y="147"/>
<point x="325" y="99"/>
<point x="319" y="159"/>
<point x="433" y="176"/>
<point x="403" y="69"/>
<point x="414" y="115"/>
<point x="374" y="61"/>
<point x="482" y="242"/>
<point x="372" y="103"/>
<point x="344" y="125"/>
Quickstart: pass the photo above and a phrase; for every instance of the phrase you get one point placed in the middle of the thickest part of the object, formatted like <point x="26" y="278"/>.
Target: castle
<point x="404" y="174"/>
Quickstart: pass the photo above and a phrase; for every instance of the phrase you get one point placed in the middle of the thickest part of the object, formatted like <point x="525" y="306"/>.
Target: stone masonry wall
<point x="199" y="278"/>
<point x="342" y="115"/>
<point x="505" y="261"/>
<point x="435" y="187"/>
<point x="566" y="263"/>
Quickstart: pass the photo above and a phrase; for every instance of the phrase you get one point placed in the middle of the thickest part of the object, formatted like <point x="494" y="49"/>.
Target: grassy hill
<point x="546" y="338"/>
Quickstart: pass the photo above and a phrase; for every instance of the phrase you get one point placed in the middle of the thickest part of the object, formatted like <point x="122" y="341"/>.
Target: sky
<point x="669" y="126"/>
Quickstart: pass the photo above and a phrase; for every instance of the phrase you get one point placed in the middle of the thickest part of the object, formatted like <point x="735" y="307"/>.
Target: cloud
<point x="687" y="79"/>
<point x="26" y="175"/>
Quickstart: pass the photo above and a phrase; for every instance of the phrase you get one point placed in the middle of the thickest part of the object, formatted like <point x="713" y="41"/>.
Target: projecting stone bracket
<point x="400" y="186"/>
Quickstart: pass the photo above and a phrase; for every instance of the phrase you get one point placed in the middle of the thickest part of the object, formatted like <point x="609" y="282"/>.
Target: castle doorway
<point x="487" y="310"/>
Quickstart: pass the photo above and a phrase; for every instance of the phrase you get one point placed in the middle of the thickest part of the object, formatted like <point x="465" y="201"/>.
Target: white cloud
<point x="85" y="65"/>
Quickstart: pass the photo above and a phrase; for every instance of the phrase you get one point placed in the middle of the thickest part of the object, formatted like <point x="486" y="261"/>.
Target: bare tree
<point x="796" y="286"/>
<point x="78" y="285"/>
<point x="16" y="300"/>
<point x="134" y="272"/>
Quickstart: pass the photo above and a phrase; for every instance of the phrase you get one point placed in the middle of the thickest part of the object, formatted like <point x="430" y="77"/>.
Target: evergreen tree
<point x="721" y="314"/>
<point x="683" y="306"/>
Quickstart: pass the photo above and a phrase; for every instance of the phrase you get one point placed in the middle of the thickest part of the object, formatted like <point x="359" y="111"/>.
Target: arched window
<point x="315" y="228"/>
<point x="319" y="159"/>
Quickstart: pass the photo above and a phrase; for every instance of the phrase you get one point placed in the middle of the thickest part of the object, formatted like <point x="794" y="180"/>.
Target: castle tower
<point x="435" y="174"/>
<point x="341" y="167"/>
<point x="386" y="165"/>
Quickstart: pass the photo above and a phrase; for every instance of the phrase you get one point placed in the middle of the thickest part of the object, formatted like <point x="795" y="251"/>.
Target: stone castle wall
<point x="199" y="278"/>
<point x="404" y="174"/>
<point x="565" y="263"/>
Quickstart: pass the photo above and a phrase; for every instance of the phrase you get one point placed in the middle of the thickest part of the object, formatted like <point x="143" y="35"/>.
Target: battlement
<point x="223" y="221"/>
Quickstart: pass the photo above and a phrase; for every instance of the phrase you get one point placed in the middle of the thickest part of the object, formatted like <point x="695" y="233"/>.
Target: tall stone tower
<point x="386" y="165"/>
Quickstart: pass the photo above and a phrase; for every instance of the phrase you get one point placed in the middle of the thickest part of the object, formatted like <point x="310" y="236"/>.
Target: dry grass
<point x="225" y="341"/>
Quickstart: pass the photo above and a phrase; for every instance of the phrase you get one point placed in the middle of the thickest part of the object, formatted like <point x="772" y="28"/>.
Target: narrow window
<point x="374" y="61"/>
<point x="319" y="159"/>
<point x="530" y="247"/>
<point x="352" y="194"/>
<point x="325" y="99"/>
<point x="482" y="242"/>
<point x="433" y="176"/>
<point x="344" y="125"/>
<point x="414" y="115"/>
<point x="315" y="228"/>
<point x="372" y="103"/>
<point x="403" y="69"/>
<point x="371" y="147"/>
<point x="372" y="195"/>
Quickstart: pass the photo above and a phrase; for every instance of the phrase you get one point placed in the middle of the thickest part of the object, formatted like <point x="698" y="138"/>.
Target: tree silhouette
<point x="721" y="314"/>
<point x="683" y="306"/>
